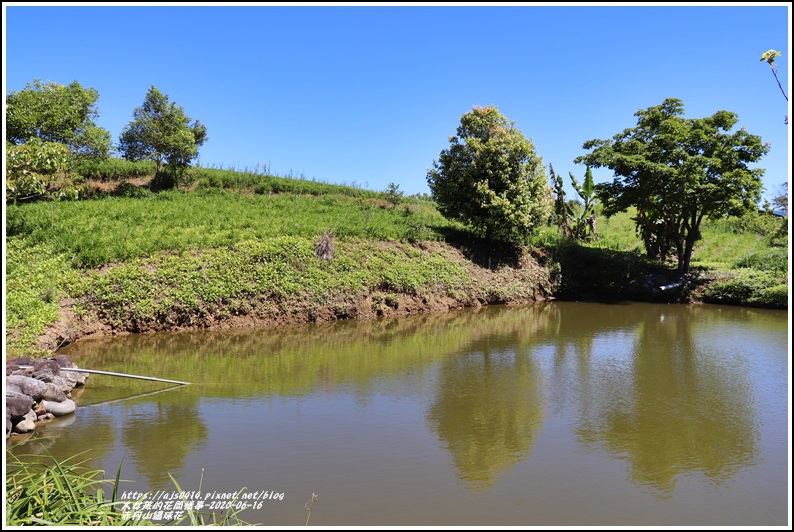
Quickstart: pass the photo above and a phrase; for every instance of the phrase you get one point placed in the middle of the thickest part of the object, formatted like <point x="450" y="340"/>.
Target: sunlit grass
<point x="115" y="229"/>
<point x="41" y="490"/>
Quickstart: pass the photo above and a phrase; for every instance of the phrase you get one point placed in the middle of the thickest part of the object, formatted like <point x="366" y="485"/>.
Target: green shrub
<point x="742" y="287"/>
<point x="110" y="169"/>
<point x="773" y="260"/>
<point x="775" y="296"/>
<point x="39" y="169"/>
<point x="762" y="224"/>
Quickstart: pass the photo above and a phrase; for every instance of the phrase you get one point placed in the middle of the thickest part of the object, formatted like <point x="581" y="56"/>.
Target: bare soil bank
<point x="512" y="276"/>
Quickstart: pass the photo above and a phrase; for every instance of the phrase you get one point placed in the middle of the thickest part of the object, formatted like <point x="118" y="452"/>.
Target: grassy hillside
<point x="233" y="248"/>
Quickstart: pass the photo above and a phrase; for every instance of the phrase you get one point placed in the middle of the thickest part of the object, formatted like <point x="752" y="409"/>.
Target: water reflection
<point x="670" y="410"/>
<point x="498" y="398"/>
<point x="158" y="437"/>
<point x="488" y="411"/>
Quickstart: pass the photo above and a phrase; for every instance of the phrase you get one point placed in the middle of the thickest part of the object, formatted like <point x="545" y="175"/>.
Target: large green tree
<point x="161" y="132"/>
<point x="491" y="178"/>
<point x="675" y="171"/>
<point x="53" y="112"/>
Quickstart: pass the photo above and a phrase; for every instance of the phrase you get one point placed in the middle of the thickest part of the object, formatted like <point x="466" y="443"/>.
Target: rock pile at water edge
<point x="38" y="390"/>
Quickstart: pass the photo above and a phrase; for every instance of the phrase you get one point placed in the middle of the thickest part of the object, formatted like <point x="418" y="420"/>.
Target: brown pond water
<point x="555" y="413"/>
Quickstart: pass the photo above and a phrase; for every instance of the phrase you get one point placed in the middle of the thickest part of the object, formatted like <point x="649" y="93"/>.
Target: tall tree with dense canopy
<point x="53" y="112"/>
<point x="161" y="132"/>
<point x="675" y="171"/>
<point x="491" y="178"/>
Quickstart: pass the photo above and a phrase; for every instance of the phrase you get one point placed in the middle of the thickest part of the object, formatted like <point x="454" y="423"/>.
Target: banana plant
<point x="583" y="226"/>
<point x="562" y="211"/>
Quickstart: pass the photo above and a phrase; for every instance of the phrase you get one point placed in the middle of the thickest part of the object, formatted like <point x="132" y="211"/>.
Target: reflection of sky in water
<point x="561" y="413"/>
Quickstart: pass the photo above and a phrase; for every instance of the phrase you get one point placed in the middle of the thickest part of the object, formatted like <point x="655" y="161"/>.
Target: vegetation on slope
<point x="232" y="248"/>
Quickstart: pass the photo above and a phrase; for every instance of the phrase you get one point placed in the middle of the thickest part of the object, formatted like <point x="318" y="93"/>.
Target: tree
<point x="161" y="132"/>
<point x="56" y="113"/>
<point x="393" y="194"/>
<point x="781" y="200"/>
<point x="491" y="178"/>
<point x="676" y="171"/>
<point x="574" y="218"/>
<point x="562" y="210"/>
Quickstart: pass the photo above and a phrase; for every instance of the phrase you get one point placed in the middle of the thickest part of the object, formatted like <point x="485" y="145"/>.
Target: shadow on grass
<point x="483" y="253"/>
<point x="603" y="274"/>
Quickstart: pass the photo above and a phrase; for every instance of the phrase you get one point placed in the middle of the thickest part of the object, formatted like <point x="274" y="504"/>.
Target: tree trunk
<point x="692" y="236"/>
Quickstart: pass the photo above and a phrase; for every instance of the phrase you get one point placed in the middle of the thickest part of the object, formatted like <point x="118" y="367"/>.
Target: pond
<point x="555" y="413"/>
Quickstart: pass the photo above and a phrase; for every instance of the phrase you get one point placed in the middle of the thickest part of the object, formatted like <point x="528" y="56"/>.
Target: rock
<point x="79" y="378"/>
<point x="17" y="405"/>
<point x="24" y="426"/>
<point x="20" y="361"/>
<point x="63" y="383"/>
<point x="45" y="417"/>
<point x="44" y="365"/>
<point x="39" y="408"/>
<point x="13" y="388"/>
<point x="69" y="376"/>
<point x="44" y="375"/>
<point x="32" y="387"/>
<point x="54" y="393"/>
<point x="9" y="426"/>
<point x="11" y="368"/>
<point x="60" y="408"/>
<point x="64" y="361"/>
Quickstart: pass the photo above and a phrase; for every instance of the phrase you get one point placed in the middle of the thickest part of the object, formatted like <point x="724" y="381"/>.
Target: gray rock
<point x="63" y="383"/>
<point x="79" y="378"/>
<point x="11" y="387"/>
<point x="32" y="387"/>
<point x="40" y="367"/>
<point x="9" y="426"/>
<point x="60" y="408"/>
<point x="54" y="393"/>
<point x="46" y="417"/>
<point x="64" y="361"/>
<point x="44" y="375"/>
<point x="69" y="376"/>
<point x="24" y="426"/>
<point x="21" y="361"/>
<point x="17" y="405"/>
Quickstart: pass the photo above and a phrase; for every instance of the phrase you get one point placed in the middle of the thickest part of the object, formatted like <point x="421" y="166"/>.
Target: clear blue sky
<point x="370" y="94"/>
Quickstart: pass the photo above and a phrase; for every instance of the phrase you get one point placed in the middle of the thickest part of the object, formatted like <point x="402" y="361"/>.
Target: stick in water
<point x="78" y="370"/>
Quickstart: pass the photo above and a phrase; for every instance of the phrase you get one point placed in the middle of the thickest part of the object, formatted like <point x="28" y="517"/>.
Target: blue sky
<point x="369" y="95"/>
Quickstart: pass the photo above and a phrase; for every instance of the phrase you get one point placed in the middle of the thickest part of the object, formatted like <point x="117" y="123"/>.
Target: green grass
<point x="113" y="169"/>
<point x="116" y="229"/>
<point x="260" y="277"/>
<point x="52" y="492"/>
<point x="46" y="491"/>
<point x="261" y="183"/>
<point x="747" y="286"/>
<point x="177" y="257"/>
<point x="37" y="278"/>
